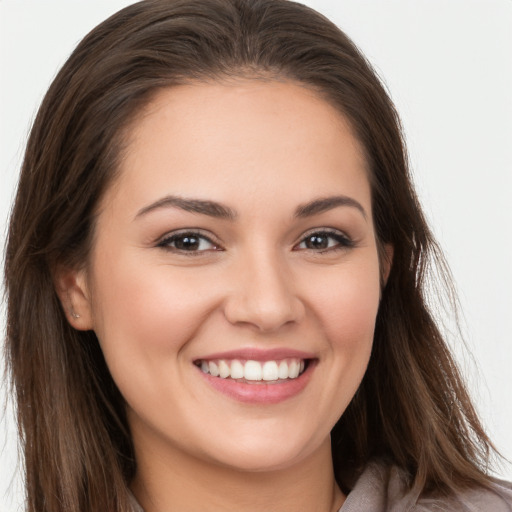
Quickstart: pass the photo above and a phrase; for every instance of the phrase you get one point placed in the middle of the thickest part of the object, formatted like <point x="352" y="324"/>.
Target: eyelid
<point x="162" y="241"/>
<point x="344" y="242"/>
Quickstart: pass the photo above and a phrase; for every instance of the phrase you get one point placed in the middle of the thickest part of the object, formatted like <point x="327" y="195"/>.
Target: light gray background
<point x="448" y="66"/>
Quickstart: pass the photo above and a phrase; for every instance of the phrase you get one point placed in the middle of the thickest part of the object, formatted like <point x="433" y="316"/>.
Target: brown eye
<point x="317" y="242"/>
<point x="188" y="242"/>
<point x="324" y="241"/>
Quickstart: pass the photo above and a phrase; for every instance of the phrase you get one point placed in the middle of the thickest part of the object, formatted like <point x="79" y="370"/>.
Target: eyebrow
<point x="327" y="203"/>
<point x="220" y="211"/>
<point x="210" y="208"/>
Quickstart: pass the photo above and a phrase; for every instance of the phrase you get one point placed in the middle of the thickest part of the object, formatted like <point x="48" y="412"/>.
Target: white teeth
<point x="293" y="370"/>
<point x="254" y="370"/>
<point x="270" y="371"/>
<point x="214" y="369"/>
<point x="237" y="370"/>
<point x="224" y="370"/>
<point x="283" y="370"/>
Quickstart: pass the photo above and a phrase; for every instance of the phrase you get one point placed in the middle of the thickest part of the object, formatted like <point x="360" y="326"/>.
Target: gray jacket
<point x="382" y="488"/>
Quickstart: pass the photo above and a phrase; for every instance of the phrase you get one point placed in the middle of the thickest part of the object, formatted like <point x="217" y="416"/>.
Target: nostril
<point x="265" y="313"/>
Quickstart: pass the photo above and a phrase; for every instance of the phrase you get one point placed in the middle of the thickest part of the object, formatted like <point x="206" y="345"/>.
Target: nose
<point x="263" y="294"/>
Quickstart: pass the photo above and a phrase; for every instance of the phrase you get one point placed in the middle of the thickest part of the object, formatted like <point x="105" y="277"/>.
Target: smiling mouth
<point x="252" y="371"/>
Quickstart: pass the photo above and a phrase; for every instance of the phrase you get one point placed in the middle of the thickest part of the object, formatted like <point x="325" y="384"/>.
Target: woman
<point x="215" y="274"/>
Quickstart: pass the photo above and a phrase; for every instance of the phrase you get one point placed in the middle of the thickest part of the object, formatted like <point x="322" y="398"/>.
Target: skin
<point x="262" y="149"/>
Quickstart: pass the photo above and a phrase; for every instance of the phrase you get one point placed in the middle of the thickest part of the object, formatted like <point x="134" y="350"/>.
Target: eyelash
<point x="341" y="242"/>
<point x="166" y="242"/>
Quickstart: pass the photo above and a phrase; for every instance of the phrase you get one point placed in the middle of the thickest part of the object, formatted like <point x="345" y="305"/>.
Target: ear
<point x="71" y="287"/>
<point x="386" y="262"/>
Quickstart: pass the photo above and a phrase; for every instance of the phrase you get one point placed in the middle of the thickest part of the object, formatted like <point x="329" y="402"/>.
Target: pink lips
<point x="260" y="392"/>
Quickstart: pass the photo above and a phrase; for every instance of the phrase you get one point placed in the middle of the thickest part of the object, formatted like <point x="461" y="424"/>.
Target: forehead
<point x="220" y="138"/>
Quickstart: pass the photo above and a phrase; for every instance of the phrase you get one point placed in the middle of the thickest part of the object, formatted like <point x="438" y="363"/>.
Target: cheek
<point x="347" y="305"/>
<point x="143" y="313"/>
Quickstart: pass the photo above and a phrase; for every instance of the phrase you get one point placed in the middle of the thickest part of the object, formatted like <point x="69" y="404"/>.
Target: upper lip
<point x="257" y="354"/>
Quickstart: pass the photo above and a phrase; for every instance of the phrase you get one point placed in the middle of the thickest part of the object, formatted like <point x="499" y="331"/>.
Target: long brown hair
<point x="412" y="407"/>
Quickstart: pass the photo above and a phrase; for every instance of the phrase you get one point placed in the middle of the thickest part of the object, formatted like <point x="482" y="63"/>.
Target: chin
<point x="256" y="454"/>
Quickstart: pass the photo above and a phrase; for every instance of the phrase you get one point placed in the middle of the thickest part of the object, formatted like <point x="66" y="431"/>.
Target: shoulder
<point x="383" y="488"/>
<point x="496" y="499"/>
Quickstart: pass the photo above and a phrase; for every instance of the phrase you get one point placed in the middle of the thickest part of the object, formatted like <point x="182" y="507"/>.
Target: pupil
<point x="187" y="243"/>
<point x="317" y="242"/>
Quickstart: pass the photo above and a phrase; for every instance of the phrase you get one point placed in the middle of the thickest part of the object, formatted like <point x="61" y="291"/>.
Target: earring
<point x="71" y="308"/>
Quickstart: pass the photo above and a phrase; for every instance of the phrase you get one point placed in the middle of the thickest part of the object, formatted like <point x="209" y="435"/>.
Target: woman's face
<point x="238" y="239"/>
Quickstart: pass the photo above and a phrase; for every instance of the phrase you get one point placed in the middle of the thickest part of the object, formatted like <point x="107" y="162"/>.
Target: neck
<point x="177" y="482"/>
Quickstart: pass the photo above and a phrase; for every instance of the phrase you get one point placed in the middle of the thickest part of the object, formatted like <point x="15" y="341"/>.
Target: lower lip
<point x="260" y="392"/>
